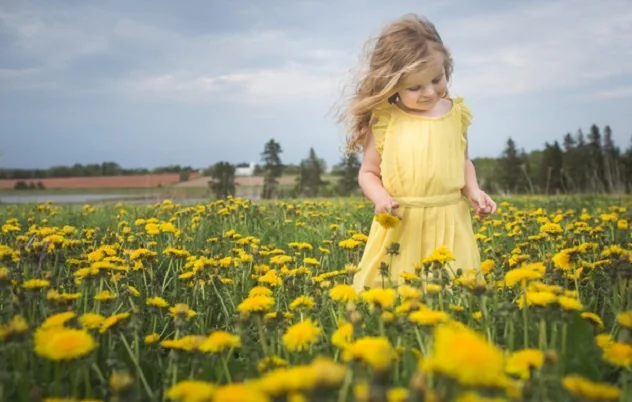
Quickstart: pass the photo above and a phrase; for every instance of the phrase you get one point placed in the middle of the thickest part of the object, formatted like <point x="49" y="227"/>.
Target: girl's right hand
<point x="387" y="204"/>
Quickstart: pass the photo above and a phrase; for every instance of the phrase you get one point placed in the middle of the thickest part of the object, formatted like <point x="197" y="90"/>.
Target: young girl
<point x="415" y="164"/>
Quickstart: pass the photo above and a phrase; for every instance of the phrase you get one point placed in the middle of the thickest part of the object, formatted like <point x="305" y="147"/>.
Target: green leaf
<point x="583" y="356"/>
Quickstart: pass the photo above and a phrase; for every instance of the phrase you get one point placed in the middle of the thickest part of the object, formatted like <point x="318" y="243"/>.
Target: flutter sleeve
<point x="380" y="120"/>
<point x="466" y="115"/>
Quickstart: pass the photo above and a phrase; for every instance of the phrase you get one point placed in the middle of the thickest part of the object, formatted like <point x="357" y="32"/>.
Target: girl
<point x="415" y="165"/>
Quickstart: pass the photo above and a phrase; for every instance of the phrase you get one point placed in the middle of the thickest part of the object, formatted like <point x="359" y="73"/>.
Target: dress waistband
<point x="430" y="201"/>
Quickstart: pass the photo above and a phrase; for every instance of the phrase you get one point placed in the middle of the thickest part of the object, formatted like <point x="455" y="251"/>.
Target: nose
<point x="428" y="92"/>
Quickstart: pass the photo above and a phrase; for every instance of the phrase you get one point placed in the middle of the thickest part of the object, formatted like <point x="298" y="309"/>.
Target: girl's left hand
<point x="482" y="203"/>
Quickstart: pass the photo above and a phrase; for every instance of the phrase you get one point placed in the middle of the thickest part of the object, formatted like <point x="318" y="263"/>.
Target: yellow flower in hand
<point x="386" y="220"/>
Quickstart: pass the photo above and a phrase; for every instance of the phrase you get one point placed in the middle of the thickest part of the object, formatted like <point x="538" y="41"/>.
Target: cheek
<point x="409" y="97"/>
<point x="442" y="87"/>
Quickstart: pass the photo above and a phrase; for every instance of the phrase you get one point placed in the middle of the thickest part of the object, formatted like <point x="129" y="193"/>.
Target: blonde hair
<point x="402" y="47"/>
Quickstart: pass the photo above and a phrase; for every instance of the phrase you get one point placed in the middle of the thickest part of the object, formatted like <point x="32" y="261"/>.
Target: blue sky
<point x="152" y="83"/>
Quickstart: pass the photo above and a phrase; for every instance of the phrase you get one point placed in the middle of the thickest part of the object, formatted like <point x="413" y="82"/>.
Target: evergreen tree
<point x="511" y="165"/>
<point x="310" y="174"/>
<point x="550" y="175"/>
<point x="223" y="180"/>
<point x="612" y="166"/>
<point x="348" y="183"/>
<point x="272" y="168"/>
<point x="595" y="159"/>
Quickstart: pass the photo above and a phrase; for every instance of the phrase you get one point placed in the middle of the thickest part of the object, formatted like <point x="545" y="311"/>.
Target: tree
<point x="223" y="180"/>
<point x="551" y="167"/>
<point x="349" y="168"/>
<point x="612" y="165"/>
<point x="272" y="168"/>
<point x="309" y="178"/>
<point x="512" y="169"/>
<point x="595" y="159"/>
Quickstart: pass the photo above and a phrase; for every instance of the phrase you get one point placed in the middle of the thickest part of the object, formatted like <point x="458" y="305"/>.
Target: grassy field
<point x="241" y="301"/>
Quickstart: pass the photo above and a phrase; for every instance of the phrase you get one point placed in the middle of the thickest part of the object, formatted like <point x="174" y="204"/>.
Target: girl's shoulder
<point x="463" y="112"/>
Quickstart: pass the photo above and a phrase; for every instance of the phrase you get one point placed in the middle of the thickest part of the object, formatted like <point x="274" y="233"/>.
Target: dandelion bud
<point x="551" y="357"/>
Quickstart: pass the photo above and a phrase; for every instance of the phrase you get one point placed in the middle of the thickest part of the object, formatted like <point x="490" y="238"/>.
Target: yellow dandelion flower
<point x="343" y="293"/>
<point x="521" y="276"/>
<point x="57" y="320"/>
<point x="387" y="220"/>
<point x="112" y="320"/>
<point x="618" y="354"/>
<point x="239" y="392"/>
<point x="191" y="391"/>
<point x="60" y="343"/>
<point x="256" y="304"/>
<point x="157" y="301"/>
<point x="384" y="298"/>
<point x="376" y="352"/>
<point x="218" y="341"/>
<point x="581" y="387"/>
<point x="521" y="362"/>
<point x="182" y="311"/>
<point x="301" y="336"/>
<point x="478" y="363"/>
<point x="302" y="302"/>
<point x="625" y="319"/>
<point x="342" y="336"/>
<point x="151" y="338"/>
<point x="35" y="284"/>
<point x="428" y="317"/>
<point x="570" y="303"/>
<point x="594" y="318"/>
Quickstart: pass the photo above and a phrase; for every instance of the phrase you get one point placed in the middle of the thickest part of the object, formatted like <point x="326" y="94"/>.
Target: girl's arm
<point x="480" y="201"/>
<point x="370" y="178"/>
<point x="471" y="181"/>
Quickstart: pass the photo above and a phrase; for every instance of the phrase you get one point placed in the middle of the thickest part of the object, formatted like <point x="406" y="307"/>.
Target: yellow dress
<point x="423" y="168"/>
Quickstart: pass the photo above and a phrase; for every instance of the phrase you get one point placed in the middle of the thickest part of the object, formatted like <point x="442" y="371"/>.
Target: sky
<point x="155" y="83"/>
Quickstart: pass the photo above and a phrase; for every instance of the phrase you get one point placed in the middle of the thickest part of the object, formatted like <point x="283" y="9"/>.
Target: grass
<point x="166" y="301"/>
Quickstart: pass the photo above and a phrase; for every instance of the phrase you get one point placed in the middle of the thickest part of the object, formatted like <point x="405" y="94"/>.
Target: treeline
<point x="90" y="170"/>
<point x="310" y="176"/>
<point x="580" y="163"/>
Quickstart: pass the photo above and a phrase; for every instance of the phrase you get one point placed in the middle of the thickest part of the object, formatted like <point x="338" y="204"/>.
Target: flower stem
<point x="138" y="368"/>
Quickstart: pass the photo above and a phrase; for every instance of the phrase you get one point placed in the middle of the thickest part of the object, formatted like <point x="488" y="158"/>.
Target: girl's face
<point x="422" y="90"/>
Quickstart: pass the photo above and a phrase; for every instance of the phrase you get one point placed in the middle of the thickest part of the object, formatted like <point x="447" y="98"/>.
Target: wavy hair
<point x="403" y="47"/>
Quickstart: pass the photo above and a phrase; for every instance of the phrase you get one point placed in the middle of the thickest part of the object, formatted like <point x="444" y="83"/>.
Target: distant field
<point x="143" y="186"/>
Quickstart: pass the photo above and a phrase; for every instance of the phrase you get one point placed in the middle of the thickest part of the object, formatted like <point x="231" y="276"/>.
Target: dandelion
<point x="302" y="302"/>
<point x="478" y="362"/>
<point x="343" y="293"/>
<point x="191" y="391"/>
<point x="341" y="338"/>
<point x="625" y="319"/>
<point x="521" y="362"/>
<point x="35" y="284"/>
<point x="383" y="298"/>
<point x="301" y="336"/>
<point x="428" y="317"/>
<point x="255" y="304"/>
<point x="581" y="387"/>
<point x="375" y="352"/>
<point x="218" y="341"/>
<point x="59" y="343"/>
<point x="387" y="220"/>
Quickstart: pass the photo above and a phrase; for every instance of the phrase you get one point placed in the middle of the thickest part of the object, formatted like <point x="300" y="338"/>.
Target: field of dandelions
<point x="239" y="301"/>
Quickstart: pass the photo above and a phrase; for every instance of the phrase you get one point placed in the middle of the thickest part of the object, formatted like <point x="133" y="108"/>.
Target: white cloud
<point x="54" y="37"/>
<point x="623" y="92"/>
<point x="541" y="46"/>
<point x="256" y="87"/>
